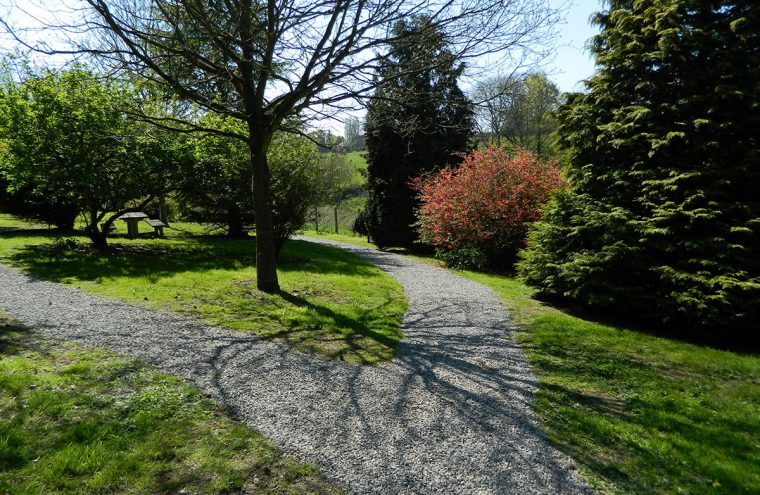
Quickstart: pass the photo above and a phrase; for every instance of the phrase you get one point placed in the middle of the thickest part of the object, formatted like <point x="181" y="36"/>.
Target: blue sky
<point x="572" y="62"/>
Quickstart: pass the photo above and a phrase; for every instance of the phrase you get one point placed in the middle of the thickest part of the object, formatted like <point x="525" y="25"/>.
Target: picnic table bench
<point x="133" y="220"/>
<point x="158" y="226"/>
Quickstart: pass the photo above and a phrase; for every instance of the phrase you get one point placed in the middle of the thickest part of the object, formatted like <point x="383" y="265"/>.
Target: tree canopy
<point x="215" y="186"/>
<point x="518" y="110"/>
<point x="662" y="220"/>
<point x="67" y="137"/>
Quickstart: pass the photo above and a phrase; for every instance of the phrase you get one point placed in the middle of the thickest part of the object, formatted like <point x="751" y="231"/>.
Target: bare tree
<point x="492" y="99"/>
<point x="528" y="120"/>
<point x="517" y="108"/>
<point x="270" y="63"/>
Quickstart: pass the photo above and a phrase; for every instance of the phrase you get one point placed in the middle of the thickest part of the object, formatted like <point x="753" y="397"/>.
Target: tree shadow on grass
<point x="12" y="337"/>
<point x="612" y="438"/>
<point x="156" y="260"/>
<point x="11" y="232"/>
<point x="747" y="342"/>
<point x="347" y="337"/>
<point x="349" y="342"/>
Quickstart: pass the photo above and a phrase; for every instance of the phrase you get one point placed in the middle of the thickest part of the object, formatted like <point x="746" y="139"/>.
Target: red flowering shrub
<point x="485" y="204"/>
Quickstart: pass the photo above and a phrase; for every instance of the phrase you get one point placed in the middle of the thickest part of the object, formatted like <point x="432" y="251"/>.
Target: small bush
<point x="64" y="244"/>
<point x="485" y="205"/>
<point x="463" y="258"/>
<point x="360" y="224"/>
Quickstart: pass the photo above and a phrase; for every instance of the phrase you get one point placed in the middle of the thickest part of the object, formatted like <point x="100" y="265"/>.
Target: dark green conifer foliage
<point x="419" y="121"/>
<point x="662" y="219"/>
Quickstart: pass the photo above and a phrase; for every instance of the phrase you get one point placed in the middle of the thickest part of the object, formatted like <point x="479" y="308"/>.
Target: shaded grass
<point x="11" y="222"/>
<point x="640" y="413"/>
<point x="84" y="420"/>
<point x="331" y="302"/>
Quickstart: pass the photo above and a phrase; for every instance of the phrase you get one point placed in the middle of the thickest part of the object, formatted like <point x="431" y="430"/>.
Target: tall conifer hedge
<point x="662" y="218"/>
<point x="419" y="120"/>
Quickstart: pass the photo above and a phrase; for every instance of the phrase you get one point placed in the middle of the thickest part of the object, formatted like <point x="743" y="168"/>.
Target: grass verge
<point x="332" y="236"/>
<point x="84" y="420"/>
<point x="640" y="413"/>
<point x="331" y="302"/>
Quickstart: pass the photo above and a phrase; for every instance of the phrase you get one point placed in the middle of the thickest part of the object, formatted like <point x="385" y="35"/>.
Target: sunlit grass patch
<point x="84" y="420"/>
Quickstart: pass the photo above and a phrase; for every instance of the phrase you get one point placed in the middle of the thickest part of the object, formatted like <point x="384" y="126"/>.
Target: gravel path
<point x="451" y="414"/>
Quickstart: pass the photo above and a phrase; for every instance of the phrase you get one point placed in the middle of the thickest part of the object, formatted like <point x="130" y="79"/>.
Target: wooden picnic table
<point x="157" y="225"/>
<point x="132" y="220"/>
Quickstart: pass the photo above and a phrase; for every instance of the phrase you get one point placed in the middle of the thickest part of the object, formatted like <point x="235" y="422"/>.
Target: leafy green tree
<point x="662" y="220"/>
<point x="529" y="121"/>
<point x="26" y="202"/>
<point x="67" y="138"/>
<point x="293" y="162"/>
<point x="33" y="205"/>
<point x="417" y="121"/>
<point x="215" y="185"/>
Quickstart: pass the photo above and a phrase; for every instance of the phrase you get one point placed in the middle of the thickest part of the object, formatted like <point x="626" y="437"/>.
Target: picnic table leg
<point x="132" y="229"/>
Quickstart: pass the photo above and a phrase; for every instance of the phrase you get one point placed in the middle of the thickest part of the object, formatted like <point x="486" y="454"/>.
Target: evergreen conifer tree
<point x="417" y="122"/>
<point x="662" y="218"/>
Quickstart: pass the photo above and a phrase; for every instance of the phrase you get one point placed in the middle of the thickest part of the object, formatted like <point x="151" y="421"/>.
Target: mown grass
<point x="640" y="413"/>
<point x="357" y="160"/>
<point x="11" y="222"/>
<point x="331" y="302"/>
<point x="84" y="420"/>
<point x="349" y="238"/>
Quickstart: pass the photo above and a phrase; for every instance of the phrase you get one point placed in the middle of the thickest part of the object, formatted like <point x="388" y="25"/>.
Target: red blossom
<point x="487" y="201"/>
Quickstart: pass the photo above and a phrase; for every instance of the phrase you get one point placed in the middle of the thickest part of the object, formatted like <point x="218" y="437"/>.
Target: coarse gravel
<point x="451" y="414"/>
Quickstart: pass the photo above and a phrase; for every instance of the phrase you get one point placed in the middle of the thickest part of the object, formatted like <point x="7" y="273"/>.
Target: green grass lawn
<point x="640" y="413"/>
<point x="358" y="161"/>
<point x="331" y="302"/>
<point x="11" y="222"/>
<point x="349" y="238"/>
<point x="85" y="420"/>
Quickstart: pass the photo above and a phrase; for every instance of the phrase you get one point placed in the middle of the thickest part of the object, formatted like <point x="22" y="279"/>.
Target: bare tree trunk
<point x="335" y="211"/>
<point x="266" y="249"/>
<point x="99" y="241"/>
<point x="316" y="219"/>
